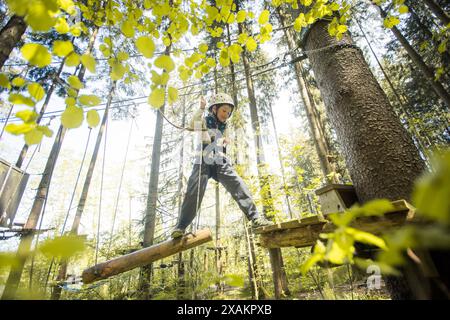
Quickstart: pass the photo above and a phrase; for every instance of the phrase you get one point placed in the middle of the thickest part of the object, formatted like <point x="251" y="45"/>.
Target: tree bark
<point x="418" y="61"/>
<point x="381" y="157"/>
<point x="10" y="35"/>
<point x="144" y="256"/>
<point x="152" y="197"/>
<point x="438" y="12"/>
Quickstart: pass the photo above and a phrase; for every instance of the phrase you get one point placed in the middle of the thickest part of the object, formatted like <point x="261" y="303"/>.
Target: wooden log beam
<point x="305" y="233"/>
<point x="145" y="256"/>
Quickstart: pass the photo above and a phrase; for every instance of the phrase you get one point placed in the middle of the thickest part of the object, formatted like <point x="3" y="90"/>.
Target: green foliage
<point x="63" y="247"/>
<point x="431" y="194"/>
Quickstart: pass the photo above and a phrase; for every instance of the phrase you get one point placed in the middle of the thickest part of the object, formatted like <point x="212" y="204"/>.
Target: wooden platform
<point x="305" y="232"/>
<point x="145" y="256"/>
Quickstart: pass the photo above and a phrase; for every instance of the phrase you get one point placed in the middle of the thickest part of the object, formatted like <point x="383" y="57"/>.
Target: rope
<point x="6" y="121"/>
<point x="76" y="182"/>
<point x="101" y="194"/>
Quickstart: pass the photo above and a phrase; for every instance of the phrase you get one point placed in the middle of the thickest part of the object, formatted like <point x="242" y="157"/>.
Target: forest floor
<point x="355" y="291"/>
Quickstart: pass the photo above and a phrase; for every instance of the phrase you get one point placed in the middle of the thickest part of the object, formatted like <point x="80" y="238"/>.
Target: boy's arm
<point x="197" y="119"/>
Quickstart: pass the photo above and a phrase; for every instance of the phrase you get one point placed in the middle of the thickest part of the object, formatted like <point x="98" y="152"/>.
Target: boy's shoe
<point x="177" y="233"/>
<point x="261" y="222"/>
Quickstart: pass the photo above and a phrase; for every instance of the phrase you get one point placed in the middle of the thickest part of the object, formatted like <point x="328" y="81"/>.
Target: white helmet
<point x="221" y="98"/>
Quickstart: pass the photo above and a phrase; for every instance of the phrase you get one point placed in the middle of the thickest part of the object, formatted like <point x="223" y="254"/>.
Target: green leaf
<point x="173" y="95"/>
<point x="367" y="238"/>
<point x="127" y="29"/>
<point x="251" y="44"/>
<point x="89" y="100"/>
<point x="72" y="60"/>
<point x="70" y="101"/>
<point x="156" y="98"/>
<point x="36" y="54"/>
<point x="264" y="17"/>
<point x="4" y="81"/>
<point x="403" y="9"/>
<point x="241" y="15"/>
<point x="122" y="56"/>
<point x="203" y="48"/>
<point x="36" y="91"/>
<point x="431" y="192"/>
<point x="18" y="82"/>
<point x="390" y="22"/>
<point x="45" y="130"/>
<point x="72" y="117"/>
<point x="146" y="46"/>
<point x="18" y="129"/>
<point x="89" y="62"/>
<point x="33" y="137"/>
<point x="75" y="82"/>
<point x="117" y="71"/>
<point x="377" y="207"/>
<point x="19" y="99"/>
<point x="61" y="26"/>
<point x="63" y="247"/>
<point x="93" y="119"/>
<point x="164" y="62"/>
<point x="62" y="48"/>
<point x="27" y="116"/>
<point x="40" y="15"/>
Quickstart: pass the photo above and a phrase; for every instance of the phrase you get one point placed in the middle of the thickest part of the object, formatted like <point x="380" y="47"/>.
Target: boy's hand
<point x="202" y="103"/>
<point x="226" y="141"/>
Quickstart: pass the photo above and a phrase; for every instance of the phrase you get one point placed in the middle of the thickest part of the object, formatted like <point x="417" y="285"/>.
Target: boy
<point x="215" y="164"/>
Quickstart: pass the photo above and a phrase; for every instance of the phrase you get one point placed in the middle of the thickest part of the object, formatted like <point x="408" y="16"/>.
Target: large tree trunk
<point x="56" y="292"/>
<point x="314" y="124"/>
<point x="10" y="35"/>
<point x="381" y="157"/>
<point x="418" y="61"/>
<point x="438" y="12"/>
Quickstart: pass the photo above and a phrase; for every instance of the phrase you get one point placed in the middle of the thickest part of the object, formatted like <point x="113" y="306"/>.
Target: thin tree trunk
<point x="418" y="61"/>
<point x="437" y="11"/>
<point x="10" y="35"/>
<point x="24" y="150"/>
<point x="252" y="265"/>
<point x="181" y="283"/>
<point x="266" y="195"/>
<point x="56" y="292"/>
<point x="152" y="197"/>
<point x="380" y="155"/>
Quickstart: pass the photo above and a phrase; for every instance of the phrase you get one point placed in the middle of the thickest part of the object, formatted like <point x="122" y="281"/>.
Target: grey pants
<point x="227" y="176"/>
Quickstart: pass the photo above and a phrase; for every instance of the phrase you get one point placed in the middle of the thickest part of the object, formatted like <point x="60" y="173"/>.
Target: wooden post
<point x="144" y="256"/>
